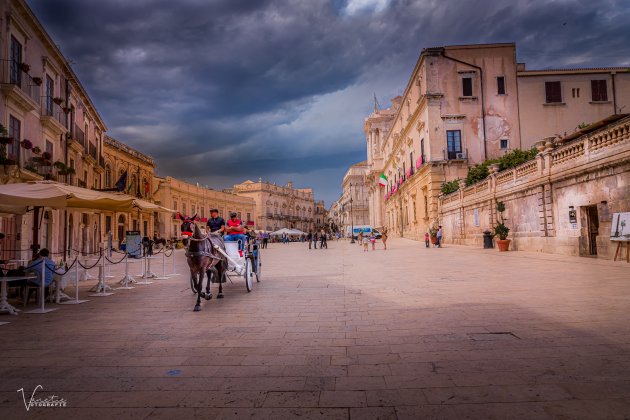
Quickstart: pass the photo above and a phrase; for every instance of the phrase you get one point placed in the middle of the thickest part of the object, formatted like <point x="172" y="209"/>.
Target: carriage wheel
<point x="248" y="274"/>
<point x="258" y="267"/>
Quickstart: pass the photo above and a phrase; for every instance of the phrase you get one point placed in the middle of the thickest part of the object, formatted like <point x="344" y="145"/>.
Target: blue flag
<point x="121" y="184"/>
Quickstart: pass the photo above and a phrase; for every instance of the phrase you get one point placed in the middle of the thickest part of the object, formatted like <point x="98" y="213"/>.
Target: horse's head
<point x="188" y="225"/>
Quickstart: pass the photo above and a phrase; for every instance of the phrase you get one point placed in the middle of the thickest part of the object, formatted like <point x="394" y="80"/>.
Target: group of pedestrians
<point x="438" y="238"/>
<point x="366" y="240"/>
<point x="314" y="237"/>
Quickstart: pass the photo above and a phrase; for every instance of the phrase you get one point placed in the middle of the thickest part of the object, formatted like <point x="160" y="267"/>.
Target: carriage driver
<point x="235" y="230"/>
<point x="215" y="223"/>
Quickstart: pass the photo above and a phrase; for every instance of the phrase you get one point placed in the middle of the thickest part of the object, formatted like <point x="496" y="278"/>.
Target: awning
<point x="147" y="205"/>
<point x="288" y="232"/>
<point x="56" y="195"/>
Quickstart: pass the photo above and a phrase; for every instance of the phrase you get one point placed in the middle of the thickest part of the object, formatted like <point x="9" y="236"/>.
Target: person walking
<point x="439" y="237"/>
<point x="384" y="238"/>
<point x="315" y="238"/>
<point x="265" y="239"/>
<point x="426" y="239"/>
<point x="373" y="241"/>
<point x="323" y="241"/>
<point x="309" y="238"/>
<point x="360" y="237"/>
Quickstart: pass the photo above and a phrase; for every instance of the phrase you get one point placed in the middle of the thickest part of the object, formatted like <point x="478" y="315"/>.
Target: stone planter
<point x="434" y="240"/>
<point x="503" y="244"/>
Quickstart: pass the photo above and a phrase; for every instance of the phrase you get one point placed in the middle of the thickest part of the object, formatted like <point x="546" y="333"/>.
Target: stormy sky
<point x="219" y="91"/>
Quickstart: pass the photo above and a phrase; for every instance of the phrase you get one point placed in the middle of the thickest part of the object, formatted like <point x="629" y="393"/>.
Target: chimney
<point x="289" y="184"/>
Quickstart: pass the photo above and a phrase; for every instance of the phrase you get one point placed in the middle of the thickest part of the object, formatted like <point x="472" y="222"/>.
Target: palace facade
<point x="279" y="206"/>
<point x="354" y="201"/>
<point x="466" y="104"/>
<point x="190" y="199"/>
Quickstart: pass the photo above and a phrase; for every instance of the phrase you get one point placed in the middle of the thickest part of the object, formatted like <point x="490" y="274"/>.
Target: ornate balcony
<point x="18" y="86"/>
<point x="53" y="117"/>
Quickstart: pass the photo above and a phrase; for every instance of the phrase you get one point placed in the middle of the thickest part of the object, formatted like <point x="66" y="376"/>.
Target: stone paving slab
<point x="407" y="333"/>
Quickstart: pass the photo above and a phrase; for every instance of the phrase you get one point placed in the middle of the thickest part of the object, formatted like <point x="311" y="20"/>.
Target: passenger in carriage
<point x="235" y="231"/>
<point x="215" y="223"/>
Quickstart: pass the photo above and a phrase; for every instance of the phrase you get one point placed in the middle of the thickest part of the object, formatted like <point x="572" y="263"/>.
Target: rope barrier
<point x="89" y="268"/>
<point x="118" y="262"/>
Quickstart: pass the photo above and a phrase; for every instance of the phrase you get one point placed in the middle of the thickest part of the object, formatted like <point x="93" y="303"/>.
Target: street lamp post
<point x="351" y="218"/>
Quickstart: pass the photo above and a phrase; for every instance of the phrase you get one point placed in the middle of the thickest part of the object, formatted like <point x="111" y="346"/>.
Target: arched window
<point x="132" y="188"/>
<point x="108" y="176"/>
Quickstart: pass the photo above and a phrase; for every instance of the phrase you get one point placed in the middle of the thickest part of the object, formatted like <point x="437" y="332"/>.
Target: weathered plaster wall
<point x="592" y="171"/>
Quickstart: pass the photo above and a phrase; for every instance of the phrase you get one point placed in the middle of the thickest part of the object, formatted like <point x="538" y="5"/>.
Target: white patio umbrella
<point x="17" y="197"/>
<point x="58" y="196"/>
<point x="282" y="231"/>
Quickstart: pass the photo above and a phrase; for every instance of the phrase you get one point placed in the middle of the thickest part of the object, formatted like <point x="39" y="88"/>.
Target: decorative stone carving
<point x="494" y="168"/>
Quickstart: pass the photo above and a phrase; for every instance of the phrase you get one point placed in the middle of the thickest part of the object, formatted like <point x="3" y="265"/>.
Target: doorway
<point x="592" y="220"/>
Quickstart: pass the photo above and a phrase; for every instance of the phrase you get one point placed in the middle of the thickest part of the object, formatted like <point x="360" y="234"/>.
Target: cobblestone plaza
<point x="406" y="333"/>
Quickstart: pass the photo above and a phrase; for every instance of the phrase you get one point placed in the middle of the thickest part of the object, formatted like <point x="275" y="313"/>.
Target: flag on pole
<point x="121" y="184"/>
<point x="382" y="181"/>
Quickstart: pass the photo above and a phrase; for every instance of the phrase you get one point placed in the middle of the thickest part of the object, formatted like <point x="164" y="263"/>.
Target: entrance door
<point x="121" y="229"/>
<point x="593" y="228"/>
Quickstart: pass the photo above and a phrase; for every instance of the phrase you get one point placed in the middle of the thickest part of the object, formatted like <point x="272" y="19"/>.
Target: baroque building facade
<point x="279" y="206"/>
<point x="52" y="130"/>
<point x="139" y="168"/>
<point x="190" y="199"/>
<point x="461" y="106"/>
<point x="354" y="201"/>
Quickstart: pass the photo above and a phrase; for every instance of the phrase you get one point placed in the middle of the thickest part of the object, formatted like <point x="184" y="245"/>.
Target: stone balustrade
<point x="592" y="169"/>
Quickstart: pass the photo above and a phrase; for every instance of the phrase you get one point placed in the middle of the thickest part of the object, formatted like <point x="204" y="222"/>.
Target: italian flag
<point x="382" y="181"/>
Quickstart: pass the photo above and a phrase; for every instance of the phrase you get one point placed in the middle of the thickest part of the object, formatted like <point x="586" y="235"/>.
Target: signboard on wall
<point x="620" y="228"/>
<point x="134" y="243"/>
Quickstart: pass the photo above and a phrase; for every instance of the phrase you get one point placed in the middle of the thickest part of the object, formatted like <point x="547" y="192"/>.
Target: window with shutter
<point x="501" y="85"/>
<point x="553" y="92"/>
<point x="467" y="86"/>
<point x="599" y="90"/>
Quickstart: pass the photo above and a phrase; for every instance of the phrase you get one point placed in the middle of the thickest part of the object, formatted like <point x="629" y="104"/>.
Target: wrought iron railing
<point x="51" y="109"/>
<point x="12" y="73"/>
<point x="92" y="150"/>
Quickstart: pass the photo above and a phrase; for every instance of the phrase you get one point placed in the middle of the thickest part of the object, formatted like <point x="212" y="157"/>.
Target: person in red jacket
<point x="235" y="230"/>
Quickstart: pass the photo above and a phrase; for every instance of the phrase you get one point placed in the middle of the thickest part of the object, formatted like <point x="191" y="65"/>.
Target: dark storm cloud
<point x="219" y="91"/>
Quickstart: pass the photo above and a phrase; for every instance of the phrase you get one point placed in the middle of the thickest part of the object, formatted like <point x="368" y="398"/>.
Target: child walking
<point x="426" y="239"/>
<point x="365" y="245"/>
<point x="373" y="241"/>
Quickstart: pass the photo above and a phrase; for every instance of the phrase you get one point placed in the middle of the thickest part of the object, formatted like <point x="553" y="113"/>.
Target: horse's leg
<point x="199" y="278"/>
<point x="211" y="273"/>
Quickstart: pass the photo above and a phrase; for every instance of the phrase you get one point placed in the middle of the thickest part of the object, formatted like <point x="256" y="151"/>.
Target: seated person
<point x="35" y="266"/>
<point x="215" y="223"/>
<point x="235" y="231"/>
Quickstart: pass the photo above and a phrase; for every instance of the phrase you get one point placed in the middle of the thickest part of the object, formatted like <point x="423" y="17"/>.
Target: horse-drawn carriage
<point x="219" y="260"/>
<point x="245" y="262"/>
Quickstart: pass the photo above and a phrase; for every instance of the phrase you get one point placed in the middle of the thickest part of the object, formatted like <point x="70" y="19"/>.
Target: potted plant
<point x="500" y="230"/>
<point x="38" y="81"/>
<point x="60" y="165"/>
<point x="58" y="100"/>
<point x="37" y="150"/>
<point x="25" y="67"/>
<point x="6" y="140"/>
<point x="46" y="156"/>
<point x="433" y="235"/>
<point x="26" y="144"/>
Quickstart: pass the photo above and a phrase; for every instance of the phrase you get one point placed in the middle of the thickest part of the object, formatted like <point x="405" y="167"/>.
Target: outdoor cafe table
<point x="5" y="306"/>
